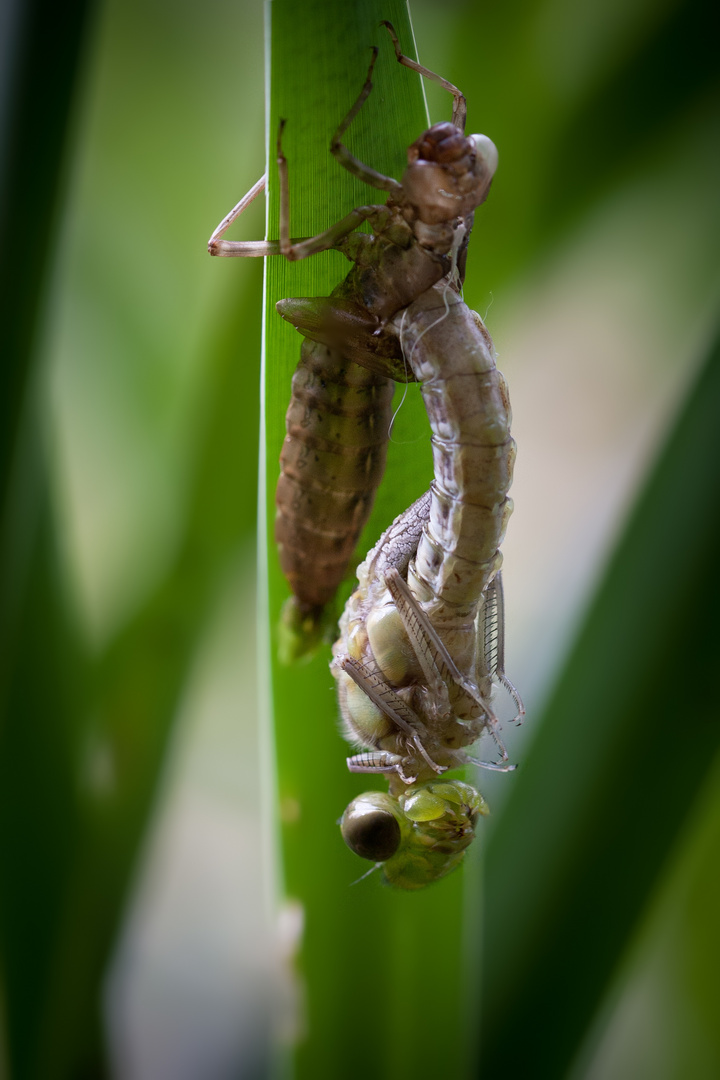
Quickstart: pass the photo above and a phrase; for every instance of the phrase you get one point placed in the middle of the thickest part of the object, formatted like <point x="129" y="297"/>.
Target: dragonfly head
<point x="448" y="174"/>
<point x="418" y="836"/>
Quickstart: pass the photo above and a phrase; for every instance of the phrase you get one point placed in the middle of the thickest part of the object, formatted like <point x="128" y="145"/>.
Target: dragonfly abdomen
<point x="467" y="404"/>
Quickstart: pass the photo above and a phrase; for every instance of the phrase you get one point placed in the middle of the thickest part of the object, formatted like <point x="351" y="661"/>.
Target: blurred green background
<point x="136" y="931"/>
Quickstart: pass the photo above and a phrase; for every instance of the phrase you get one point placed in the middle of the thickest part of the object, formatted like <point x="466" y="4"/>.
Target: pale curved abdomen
<point x="452" y="356"/>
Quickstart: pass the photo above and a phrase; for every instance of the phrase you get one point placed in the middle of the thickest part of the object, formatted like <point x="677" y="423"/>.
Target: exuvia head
<point x="448" y="173"/>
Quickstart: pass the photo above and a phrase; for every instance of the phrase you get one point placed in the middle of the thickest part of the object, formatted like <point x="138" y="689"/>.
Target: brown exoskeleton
<point x="338" y="419"/>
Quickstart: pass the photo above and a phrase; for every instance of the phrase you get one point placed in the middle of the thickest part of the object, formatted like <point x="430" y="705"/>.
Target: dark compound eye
<point x="370" y="832"/>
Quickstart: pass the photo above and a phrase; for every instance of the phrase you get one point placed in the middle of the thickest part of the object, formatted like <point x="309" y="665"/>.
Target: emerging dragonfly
<point x="339" y="416"/>
<point x="422" y="637"/>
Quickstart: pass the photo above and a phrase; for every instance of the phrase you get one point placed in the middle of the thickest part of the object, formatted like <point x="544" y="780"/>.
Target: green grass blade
<point x="364" y="953"/>
<point x="629" y="736"/>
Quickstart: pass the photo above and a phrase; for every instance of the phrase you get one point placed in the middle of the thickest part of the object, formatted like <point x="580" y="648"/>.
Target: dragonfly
<point x="339" y="417"/>
<point x="422" y="637"/>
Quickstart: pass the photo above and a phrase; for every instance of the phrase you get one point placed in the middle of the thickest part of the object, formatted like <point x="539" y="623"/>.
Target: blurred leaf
<point x="137" y="684"/>
<point x="666" y="77"/>
<point x="43" y="49"/>
<point x="577" y="99"/>
<point x="81" y="766"/>
<point x="43" y="692"/>
<point x="83" y="738"/>
<point x="630" y="733"/>
<point x="41" y="665"/>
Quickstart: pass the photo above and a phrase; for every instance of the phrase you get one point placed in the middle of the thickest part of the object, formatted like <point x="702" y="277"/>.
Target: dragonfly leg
<point x="242" y="249"/>
<point x="514" y="696"/>
<point x="236" y="211"/>
<point x="434" y="659"/>
<point x="343" y="155"/>
<point x="459" y="104"/>
<point x="293" y="249"/>
<point x="439" y="769"/>
<point x="498" y="766"/>
<point x="374" y="687"/>
<point x="493" y="766"/>
<point x="391" y="704"/>
<point x="493" y="636"/>
<point x="432" y="655"/>
<point x="405" y="779"/>
<point x="379" y="761"/>
<point x="300" y="249"/>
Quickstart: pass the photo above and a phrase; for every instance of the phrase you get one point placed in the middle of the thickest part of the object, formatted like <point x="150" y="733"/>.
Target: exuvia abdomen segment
<point x="331" y="462"/>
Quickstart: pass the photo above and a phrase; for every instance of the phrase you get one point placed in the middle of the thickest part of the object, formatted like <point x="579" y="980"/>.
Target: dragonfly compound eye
<point x="370" y="828"/>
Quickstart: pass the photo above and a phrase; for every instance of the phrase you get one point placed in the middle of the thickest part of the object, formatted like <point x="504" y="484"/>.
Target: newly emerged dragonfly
<point x="339" y="417"/>
<point x="422" y="637"/>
